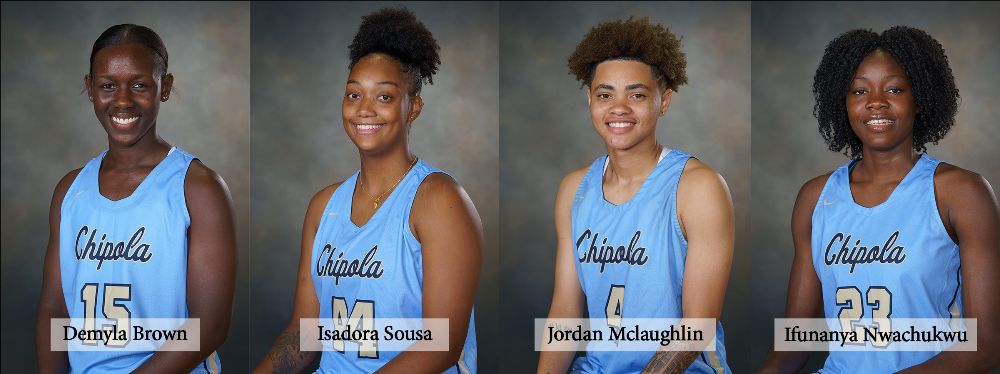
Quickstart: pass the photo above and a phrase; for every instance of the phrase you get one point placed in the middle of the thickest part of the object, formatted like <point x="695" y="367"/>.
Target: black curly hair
<point x="925" y="64"/>
<point x="397" y="33"/>
<point x="632" y="39"/>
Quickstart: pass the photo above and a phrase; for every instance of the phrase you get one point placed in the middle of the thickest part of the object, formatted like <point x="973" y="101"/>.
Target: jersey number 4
<point x="878" y="298"/>
<point x="111" y="309"/>
<point x="360" y="318"/>
<point x="616" y="303"/>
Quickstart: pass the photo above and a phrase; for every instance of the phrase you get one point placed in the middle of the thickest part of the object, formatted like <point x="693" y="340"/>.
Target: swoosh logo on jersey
<point x="827" y="202"/>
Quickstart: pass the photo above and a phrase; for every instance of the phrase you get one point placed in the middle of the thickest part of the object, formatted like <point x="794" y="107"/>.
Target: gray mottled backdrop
<point x="299" y="53"/>
<point x="547" y="132"/>
<point x="49" y="128"/>
<point x="788" y="42"/>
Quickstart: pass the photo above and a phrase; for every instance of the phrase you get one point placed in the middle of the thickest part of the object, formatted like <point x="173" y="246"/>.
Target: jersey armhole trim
<point x="70" y="191"/>
<point x="408" y="229"/>
<point x="676" y="216"/>
<point x="581" y="188"/>
<point x="938" y="219"/>
<point x="184" y="206"/>
<point x="328" y="207"/>
<point x="828" y="188"/>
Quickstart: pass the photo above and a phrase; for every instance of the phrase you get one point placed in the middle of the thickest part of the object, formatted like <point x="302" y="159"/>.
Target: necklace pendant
<point x="374" y="206"/>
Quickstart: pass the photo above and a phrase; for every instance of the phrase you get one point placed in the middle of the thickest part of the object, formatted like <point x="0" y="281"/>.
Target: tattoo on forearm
<point x="285" y="355"/>
<point x="670" y="362"/>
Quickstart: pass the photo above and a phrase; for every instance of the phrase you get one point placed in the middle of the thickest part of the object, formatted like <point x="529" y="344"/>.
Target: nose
<point x="876" y="101"/>
<point x="365" y="108"/>
<point x="123" y="98"/>
<point x="620" y="106"/>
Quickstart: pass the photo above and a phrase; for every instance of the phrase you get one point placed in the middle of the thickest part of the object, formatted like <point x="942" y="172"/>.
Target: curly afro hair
<point x="397" y="33"/>
<point x="925" y="64"/>
<point x="632" y="39"/>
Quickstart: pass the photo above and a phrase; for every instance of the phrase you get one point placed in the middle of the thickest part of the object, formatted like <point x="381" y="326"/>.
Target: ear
<point x="665" y="101"/>
<point x="166" y="85"/>
<point x="415" y="107"/>
<point x="86" y="87"/>
<point x="586" y="92"/>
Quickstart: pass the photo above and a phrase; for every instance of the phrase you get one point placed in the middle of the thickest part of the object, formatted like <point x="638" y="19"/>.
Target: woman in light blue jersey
<point x="143" y="230"/>
<point x="894" y="232"/>
<point x="644" y="231"/>
<point x="398" y="238"/>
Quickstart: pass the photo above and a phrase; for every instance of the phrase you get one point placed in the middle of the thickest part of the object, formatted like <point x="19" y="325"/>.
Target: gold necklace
<point x="375" y="200"/>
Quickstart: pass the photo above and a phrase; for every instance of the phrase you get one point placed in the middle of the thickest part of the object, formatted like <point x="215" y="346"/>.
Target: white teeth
<point x="879" y="122"/>
<point x="620" y="124"/>
<point x="124" y="121"/>
<point x="367" y="127"/>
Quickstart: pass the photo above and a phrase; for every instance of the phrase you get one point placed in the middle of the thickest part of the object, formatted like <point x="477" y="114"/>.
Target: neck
<point x="633" y="164"/>
<point x="150" y="149"/>
<point x="380" y="171"/>
<point x="890" y="165"/>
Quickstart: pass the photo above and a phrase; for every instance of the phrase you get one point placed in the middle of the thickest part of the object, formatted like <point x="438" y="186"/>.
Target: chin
<point x="124" y="140"/>
<point x="368" y="146"/>
<point x="620" y="142"/>
<point x="882" y="146"/>
<point x="620" y="145"/>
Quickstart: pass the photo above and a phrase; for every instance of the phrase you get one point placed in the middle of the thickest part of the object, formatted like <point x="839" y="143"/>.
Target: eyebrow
<point x="130" y="76"/>
<point x="630" y="87"/>
<point x="856" y="77"/>
<point x="383" y="82"/>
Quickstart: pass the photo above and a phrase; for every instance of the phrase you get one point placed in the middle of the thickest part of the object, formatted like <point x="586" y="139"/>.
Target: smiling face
<point x="377" y="107"/>
<point x="126" y="88"/>
<point x="625" y="101"/>
<point x="880" y="104"/>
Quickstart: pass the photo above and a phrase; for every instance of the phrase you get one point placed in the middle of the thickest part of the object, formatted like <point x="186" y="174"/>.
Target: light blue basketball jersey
<point x="649" y="275"/>
<point x="389" y="279"/>
<point x="895" y="258"/>
<point x="129" y="253"/>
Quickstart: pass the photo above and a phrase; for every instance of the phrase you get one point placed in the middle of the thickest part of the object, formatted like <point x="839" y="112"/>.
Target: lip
<point x="620" y="126"/>
<point x="124" y="120"/>
<point x="879" y="124"/>
<point x="367" y="128"/>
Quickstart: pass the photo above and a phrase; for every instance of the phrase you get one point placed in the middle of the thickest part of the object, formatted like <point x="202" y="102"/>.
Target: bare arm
<point x="805" y="298"/>
<point x="284" y="355"/>
<point x="705" y="211"/>
<point x="211" y="268"/>
<point x="568" y="300"/>
<point x="51" y="303"/>
<point x="968" y="208"/>
<point x="452" y="259"/>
